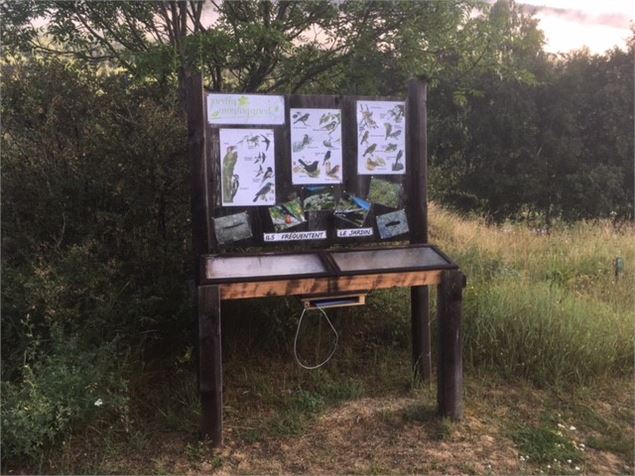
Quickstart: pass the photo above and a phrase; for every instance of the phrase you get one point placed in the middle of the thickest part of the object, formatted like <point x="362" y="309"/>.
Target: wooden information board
<point x="315" y="174"/>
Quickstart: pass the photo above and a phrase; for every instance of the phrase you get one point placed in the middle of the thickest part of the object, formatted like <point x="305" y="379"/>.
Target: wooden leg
<point x="420" y="319"/>
<point x="210" y="363"/>
<point x="450" y="366"/>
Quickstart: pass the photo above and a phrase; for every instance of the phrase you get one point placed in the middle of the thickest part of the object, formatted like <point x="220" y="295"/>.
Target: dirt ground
<point x="387" y="435"/>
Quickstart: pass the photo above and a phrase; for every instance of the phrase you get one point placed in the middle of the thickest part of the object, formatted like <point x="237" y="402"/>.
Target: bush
<point x="67" y="386"/>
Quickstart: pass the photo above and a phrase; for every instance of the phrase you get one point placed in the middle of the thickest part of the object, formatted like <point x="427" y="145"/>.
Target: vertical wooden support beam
<point x="450" y="365"/>
<point x="417" y="171"/>
<point x="210" y="363"/>
<point x="196" y="127"/>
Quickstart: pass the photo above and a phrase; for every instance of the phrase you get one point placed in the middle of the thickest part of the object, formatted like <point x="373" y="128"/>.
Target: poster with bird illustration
<point x="381" y="137"/>
<point x="316" y="146"/>
<point x="247" y="165"/>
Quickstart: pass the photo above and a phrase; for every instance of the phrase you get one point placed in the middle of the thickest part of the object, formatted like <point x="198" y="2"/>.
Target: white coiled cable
<point x="297" y="333"/>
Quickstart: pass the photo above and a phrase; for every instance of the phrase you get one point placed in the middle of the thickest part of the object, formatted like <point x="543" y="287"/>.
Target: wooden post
<point x="450" y="365"/>
<point x="210" y="363"/>
<point x="418" y="207"/>
<point x="195" y="108"/>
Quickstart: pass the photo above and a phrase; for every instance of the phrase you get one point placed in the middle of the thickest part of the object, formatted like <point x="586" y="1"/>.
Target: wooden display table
<point x="322" y="274"/>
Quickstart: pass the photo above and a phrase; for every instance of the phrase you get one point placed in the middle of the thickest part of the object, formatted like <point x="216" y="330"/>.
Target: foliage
<point x="94" y="242"/>
<point x="65" y="384"/>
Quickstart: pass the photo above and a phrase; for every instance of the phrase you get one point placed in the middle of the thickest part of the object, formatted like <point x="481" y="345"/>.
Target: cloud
<point x="614" y="20"/>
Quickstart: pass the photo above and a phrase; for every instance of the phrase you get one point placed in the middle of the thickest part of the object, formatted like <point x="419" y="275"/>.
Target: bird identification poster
<point x="247" y="165"/>
<point x="316" y="146"/>
<point x="381" y="137"/>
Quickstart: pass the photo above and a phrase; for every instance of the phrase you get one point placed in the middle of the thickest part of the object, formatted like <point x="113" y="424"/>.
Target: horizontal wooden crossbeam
<point x="310" y="286"/>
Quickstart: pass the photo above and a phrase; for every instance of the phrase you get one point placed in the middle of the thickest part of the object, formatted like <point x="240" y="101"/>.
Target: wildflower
<point x="560" y="425"/>
<point x="572" y="428"/>
<point x="569" y="461"/>
<point x="548" y="466"/>
<point x="99" y="402"/>
<point x="577" y="468"/>
<point x="522" y="458"/>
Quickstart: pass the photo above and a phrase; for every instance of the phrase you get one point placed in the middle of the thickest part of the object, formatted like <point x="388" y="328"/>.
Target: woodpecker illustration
<point x="327" y="156"/>
<point x="365" y="138"/>
<point x="234" y="186"/>
<point x="229" y="162"/>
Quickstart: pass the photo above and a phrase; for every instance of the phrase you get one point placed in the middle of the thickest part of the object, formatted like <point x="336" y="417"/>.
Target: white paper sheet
<point x="381" y="137"/>
<point x="316" y="146"/>
<point x="252" y="109"/>
<point x="247" y="165"/>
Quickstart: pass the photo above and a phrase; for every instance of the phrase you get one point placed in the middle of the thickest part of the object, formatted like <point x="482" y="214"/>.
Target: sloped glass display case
<point x="281" y="266"/>
<point x="385" y="259"/>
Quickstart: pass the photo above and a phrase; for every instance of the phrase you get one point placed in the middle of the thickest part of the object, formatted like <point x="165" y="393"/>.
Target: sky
<point x="572" y="24"/>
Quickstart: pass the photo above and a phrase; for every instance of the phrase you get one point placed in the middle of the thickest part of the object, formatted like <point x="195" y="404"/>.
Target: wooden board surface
<point x="310" y="286"/>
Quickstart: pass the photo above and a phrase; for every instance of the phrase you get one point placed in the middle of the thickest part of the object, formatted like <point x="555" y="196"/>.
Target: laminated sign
<point x="381" y="137"/>
<point x="252" y="109"/>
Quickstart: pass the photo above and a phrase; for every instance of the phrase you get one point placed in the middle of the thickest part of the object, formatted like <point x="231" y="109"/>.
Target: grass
<point x="546" y="307"/>
<point x="548" y="336"/>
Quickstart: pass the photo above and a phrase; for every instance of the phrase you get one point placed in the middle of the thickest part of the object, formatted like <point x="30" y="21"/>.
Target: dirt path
<point x="378" y="436"/>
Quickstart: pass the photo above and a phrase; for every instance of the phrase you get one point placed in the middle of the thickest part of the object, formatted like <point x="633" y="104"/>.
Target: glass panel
<point x="261" y="266"/>
<point x="388" y="259"/>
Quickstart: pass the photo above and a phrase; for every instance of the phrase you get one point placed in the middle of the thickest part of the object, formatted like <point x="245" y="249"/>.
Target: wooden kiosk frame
<point x="204" y="150"/>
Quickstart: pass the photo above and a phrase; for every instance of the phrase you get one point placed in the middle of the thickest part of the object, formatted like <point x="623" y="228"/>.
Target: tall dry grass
<point x="544" y="305"/>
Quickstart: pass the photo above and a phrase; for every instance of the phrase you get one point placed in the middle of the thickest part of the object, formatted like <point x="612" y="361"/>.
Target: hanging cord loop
<point x="297" y="333"/>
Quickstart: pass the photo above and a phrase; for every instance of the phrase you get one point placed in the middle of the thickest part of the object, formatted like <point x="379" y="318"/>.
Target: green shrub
<point x="67" y="386"/>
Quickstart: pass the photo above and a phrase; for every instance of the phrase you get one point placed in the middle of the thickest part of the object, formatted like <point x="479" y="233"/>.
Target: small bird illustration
<point x="365" y="138"/>
<point x="234" y="185"/>
<point x="268" y="175"/>
<point x="298" y="146"/>
<point x="398" y="165"/>
<point x="327" y="156"/>
<point x="262" y="193"/>
<point x="333" y="172"/>
<point x="253" y="140"/>
<point x="388" y="127"/>
<point x="310" y="168"/>
<point x="394" y="134"/>
<point x="266" y="141"/>
<point x="329" y="143"/>
<point x="397" y="112"/>
<point x="261" y="156"/>
<point x="370" y="149"/>
<point x="331" y="126"/>
<point x="260" y="171"/>
<point x="303" y="118"/>
<point x="372" y="164"/>
<point x="390" y="147"/>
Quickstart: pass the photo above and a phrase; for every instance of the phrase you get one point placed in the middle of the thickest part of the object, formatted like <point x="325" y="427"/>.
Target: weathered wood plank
<point x="308" y="286"/>
<point x="196" y="151"/>
<point x="450" y="370"/>
<point x="417" y="158"/>
<point x="210" y="363"/>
